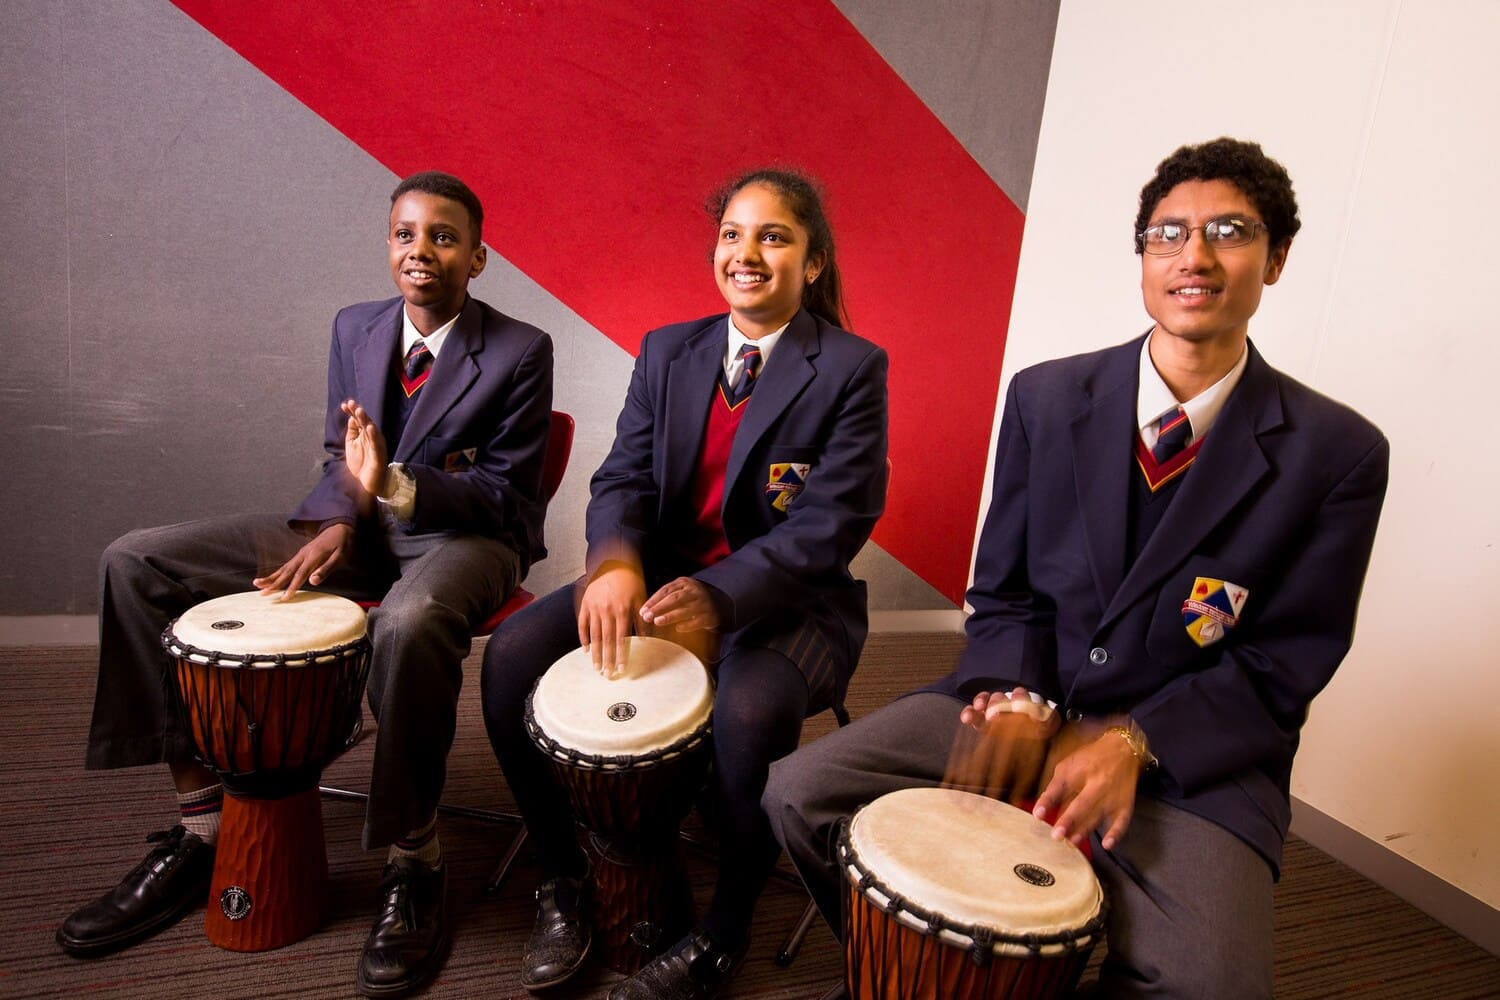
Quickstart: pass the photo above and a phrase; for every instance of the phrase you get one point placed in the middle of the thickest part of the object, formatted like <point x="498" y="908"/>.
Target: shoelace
<point x="168" y="844"/>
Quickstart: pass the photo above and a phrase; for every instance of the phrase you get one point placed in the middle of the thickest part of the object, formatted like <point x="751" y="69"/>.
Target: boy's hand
<point x="1003" y="746"/>
<point x="312" y="563"/>
<point x="364" y="449"/>
<point x="1090" y="782"/>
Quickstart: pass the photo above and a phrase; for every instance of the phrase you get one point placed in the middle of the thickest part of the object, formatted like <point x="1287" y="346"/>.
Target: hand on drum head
<point x="1089" y="784"/>
<point x="364" y="449"/>
<point x="683" y="605"/>
<point x="606" y="615"/>
<point x="1001" y="753"/>
<point x="312" y="563"/>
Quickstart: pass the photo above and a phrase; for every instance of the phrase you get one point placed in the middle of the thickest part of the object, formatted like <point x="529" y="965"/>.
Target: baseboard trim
<point x="49" y="630"/>
<point x="1444" y="902"/>
<point x="939" y="620"/>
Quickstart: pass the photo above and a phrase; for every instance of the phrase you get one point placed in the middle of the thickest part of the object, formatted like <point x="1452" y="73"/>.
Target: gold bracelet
<point x="1135" y="738"/>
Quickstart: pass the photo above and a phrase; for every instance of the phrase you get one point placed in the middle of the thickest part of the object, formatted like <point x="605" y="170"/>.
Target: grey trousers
<point x="434" y="590"/>
<point x="1190" y="904"/>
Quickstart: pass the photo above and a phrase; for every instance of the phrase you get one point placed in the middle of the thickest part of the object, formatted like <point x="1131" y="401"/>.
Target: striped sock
<point x="421" y="844"/>
<point x="201" y="811"/>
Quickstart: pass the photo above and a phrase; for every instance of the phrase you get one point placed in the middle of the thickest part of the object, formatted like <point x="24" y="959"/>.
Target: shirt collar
<point x="737" y="340"/>
<point x="410" y="334"/>
<point x="1153" y="398"/>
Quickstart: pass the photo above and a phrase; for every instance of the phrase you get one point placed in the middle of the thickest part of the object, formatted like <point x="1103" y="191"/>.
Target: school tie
<point x="750" y="355"/>
<point x="1172" y="433"/>
<point x="417" y="367"/>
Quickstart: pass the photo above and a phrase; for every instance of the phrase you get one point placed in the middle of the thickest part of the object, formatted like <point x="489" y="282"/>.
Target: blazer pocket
<point x="448" y="454"/>
<point x="1199" y="609"/>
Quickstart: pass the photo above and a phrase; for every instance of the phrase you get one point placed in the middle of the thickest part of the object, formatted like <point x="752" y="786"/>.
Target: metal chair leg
<point x="466" y="812"/>
<point x="793" y="943"/>
<point x="502" y="870"/>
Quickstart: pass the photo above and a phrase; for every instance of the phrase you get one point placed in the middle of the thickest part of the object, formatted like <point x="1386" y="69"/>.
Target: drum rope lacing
<point x="981" y="940"/>
<point x="612" y="762"/>
<point x="257" y="661"/>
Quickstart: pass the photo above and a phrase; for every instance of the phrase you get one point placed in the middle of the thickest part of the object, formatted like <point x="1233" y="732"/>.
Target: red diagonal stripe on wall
<point x="593" y="131"/>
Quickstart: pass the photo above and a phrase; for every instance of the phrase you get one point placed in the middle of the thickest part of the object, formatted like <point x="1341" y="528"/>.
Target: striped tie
<point x="750" y="355"/>
<point x="1172" y="433"/>
<point x="416" y="369"/>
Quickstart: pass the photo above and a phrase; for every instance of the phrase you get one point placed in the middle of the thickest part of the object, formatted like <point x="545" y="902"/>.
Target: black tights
<point x="759" y="706"/>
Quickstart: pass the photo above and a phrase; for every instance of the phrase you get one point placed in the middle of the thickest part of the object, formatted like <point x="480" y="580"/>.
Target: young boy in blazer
<point x="430" y="502"/>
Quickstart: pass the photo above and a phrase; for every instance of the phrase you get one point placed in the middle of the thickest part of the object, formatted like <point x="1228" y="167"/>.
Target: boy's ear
<point x="481" y="257"/>
<point x="1276" y="262"/>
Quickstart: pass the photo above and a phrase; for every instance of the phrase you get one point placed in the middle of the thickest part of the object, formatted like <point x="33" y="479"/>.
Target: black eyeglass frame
<point x="1255" y="226"/>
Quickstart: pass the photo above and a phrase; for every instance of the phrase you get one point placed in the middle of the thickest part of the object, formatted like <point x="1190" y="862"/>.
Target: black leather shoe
<point x="560" y="937"/>
<point x="157" y="893"/>
<point x="694" y="968"/>
<point x="409" y="940"/>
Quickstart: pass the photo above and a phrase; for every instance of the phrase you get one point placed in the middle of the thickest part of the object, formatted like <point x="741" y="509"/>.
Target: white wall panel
<point x="1385" y="114"/>
<point x="1404" y="745"/>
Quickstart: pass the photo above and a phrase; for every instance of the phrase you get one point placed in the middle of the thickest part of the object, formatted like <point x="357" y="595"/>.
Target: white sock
<point x="421" y="844"/>
<point x="201" y="811"/>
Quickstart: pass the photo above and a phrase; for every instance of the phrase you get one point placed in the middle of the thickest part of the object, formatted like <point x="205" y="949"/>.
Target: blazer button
<point x="1098" y="657"/>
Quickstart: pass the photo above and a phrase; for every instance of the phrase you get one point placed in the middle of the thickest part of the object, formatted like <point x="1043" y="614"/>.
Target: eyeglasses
<point x="1223" y="233"/>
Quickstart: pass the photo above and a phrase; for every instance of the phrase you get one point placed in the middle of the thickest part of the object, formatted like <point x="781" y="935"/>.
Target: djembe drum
<point x="631" y="752"/>
<point x="951" y="894"/>
<point x="270" y="690"/>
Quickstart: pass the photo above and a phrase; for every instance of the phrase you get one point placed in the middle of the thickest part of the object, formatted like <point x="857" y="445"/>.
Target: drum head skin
<point x="257" y="627"/>
<point x="975" y="862"/>
<point x="664" y="696"/>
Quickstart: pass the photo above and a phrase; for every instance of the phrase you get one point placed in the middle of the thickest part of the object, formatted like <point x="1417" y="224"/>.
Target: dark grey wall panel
<point x="34" y="314"/>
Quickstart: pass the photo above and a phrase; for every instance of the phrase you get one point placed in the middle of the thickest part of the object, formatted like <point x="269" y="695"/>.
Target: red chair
<point x="554" y="465"/>
<point x="559" y="447"/>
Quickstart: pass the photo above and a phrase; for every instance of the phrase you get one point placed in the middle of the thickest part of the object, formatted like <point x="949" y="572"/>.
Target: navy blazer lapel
<point x="1229" y="465"/>
<point x="692" y="379"/>
<point x="1102" y="440"/>
<point x="781" y="381"/>
<point x="453" y="371"/>
<point x="373" y="358"/>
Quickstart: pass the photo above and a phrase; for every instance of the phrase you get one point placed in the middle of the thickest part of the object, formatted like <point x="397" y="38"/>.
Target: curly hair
<point x="804" y="199"/>
<point x="435" y="182"/>
<point x="1243" y="164"/>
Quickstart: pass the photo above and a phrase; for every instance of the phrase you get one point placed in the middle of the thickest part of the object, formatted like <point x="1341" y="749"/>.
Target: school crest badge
<point x="1212" y="609"/>
<point x="459" y="461"/>
<point x="786" y="480"/>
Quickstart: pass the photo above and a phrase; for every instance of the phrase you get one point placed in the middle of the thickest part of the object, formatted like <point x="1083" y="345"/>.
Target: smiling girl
<point x="734" y="539"/>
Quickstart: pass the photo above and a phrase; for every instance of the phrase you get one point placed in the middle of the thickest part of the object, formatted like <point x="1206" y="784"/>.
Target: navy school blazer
<point x="1281" y="504"/>
<point x="476" y="439"/>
